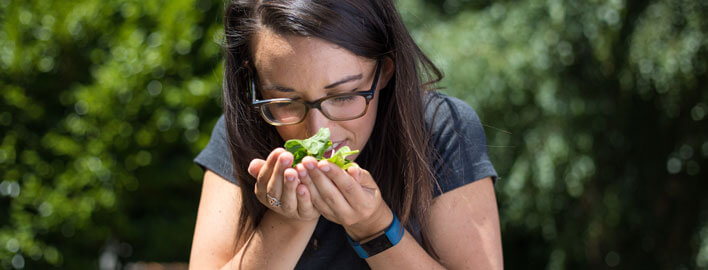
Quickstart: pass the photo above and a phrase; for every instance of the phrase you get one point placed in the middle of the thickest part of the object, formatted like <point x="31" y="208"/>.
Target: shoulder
<point x="458" y="142"/>
<point x="452" y="124"/>
<point x="444" y="113"/>
<point x="216" y="156"/>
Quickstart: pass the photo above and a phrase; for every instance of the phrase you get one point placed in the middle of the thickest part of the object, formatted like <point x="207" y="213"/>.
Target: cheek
<point x="363" y="127"/>
<point x="372" y="111"/>
<point x="289" y="132"/>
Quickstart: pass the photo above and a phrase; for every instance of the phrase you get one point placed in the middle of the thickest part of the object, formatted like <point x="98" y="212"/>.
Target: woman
<point x="422" y="195"/>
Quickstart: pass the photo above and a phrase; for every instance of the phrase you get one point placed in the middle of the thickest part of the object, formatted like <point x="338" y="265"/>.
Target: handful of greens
<point x="316" y="146"/>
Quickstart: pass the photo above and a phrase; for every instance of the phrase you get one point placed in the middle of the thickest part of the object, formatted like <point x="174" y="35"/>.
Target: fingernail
<point x="302" y="173"/>
<point x="325" y="168"/>
<point x="310" y="165"/>
<point x="290" y="178"/>
<point x="285" y="161"/>
<point x="301" y="192"/>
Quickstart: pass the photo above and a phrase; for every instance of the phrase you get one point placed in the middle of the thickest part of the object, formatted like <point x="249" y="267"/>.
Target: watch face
<point x="376" y="245"/>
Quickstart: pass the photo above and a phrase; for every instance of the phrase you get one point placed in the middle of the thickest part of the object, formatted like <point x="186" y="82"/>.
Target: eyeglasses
<point x="339" y="107"/>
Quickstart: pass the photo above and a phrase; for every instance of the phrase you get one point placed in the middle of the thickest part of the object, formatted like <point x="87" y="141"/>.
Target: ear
<point x="386" y="71"/>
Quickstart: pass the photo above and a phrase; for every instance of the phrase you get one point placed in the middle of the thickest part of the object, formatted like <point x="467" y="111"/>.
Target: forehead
<point x="297" y="58"/>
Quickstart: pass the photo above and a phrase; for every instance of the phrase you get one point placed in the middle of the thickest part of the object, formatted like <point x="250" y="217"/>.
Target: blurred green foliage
<point x="595" y="113"/>
<point x="104" y="103"/>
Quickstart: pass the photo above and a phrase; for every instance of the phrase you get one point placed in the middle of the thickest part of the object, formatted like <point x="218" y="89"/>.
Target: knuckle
<point x="349" y="187"/>
<point x="306" y="180"/>
<point x="261" y="179"/>
<point x="365" y="173"/>
<point x="288" y="208"/>
<point x="329" y="198"/>
<point x="316" y="204"/>
<point x="274" y="183"/>
<point x="306" y="214"/>
<point x="270" y="183"/>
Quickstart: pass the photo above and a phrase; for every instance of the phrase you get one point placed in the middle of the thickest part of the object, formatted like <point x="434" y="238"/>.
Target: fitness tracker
<point x="392" y="235"/>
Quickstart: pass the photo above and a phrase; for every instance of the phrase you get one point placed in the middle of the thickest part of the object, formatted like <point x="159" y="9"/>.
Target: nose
<point x="314" y="120"/>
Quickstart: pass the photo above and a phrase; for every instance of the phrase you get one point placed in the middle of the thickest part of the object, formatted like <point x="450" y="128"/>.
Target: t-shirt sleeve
<point x="458" y="137"/>
<point x="215" y="155"/>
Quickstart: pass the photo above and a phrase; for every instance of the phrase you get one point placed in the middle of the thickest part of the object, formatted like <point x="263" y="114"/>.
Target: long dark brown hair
<point x="397" y="155"/>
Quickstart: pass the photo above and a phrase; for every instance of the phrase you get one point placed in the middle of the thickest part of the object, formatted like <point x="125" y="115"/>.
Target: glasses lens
<point x="286" y="112"/>
<point x="345" y="107"/>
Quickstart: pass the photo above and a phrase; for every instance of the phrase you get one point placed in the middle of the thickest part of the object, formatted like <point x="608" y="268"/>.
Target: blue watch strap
<point x="357" y="248"/>
<point x="391" y="236"/>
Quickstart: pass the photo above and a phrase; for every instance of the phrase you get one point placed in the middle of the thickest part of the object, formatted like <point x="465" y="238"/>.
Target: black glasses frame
<point x="317" y="104"/>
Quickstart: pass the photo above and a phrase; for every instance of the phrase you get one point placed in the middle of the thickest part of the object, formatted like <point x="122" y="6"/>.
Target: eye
<point x="344" y="98"/>
<point x="282" y="105"/>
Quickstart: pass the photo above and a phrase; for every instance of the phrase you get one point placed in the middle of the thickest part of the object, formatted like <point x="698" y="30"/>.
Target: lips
<point x="332" y="149"/>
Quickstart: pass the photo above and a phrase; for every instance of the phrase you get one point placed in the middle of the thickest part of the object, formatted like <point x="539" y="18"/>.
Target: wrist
<point x="291" y="223"/>
<point x="373" y="227"/>
<point x="390" y="237"/>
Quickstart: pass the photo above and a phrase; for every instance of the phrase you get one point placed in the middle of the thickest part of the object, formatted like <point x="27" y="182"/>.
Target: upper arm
<point x="463" y="226"/>
<point x="217" y="221"/>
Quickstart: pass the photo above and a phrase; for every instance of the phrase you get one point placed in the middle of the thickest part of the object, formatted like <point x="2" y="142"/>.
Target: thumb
<point x="354" y="171"/>
<point x="363" y="177"/>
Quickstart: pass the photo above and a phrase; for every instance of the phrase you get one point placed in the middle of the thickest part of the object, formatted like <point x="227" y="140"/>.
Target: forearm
<point x="407" y="254"/>
<point x="464" y="230"/>
<point x="276" y="244"/>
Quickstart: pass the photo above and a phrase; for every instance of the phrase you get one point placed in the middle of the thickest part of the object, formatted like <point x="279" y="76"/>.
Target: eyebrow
<point x="290" y="90"/>
<point x="345" y="80"/>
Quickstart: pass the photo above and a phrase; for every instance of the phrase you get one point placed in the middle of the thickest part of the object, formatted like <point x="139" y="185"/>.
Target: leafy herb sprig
<point x="316" y="146"/>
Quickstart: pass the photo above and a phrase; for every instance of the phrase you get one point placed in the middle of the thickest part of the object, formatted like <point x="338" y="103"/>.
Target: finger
<point x="304" y="202"/>
<point x="315" y="198"/>
<point x="345" y="183"/>
<point x="328" y="192"/>
<point x="255" y="167"/>
<point x="288" y="199"/>
<point x="302" y="174"/>
<point x="354" y="171"/>
<point x="265" y="174"/>
<point x="275" y="185"/>
<point x="363" y="177"/>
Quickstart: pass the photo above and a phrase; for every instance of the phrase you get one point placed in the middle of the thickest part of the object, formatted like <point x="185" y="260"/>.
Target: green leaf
<point x="295" y="147"/>
<point x="316" y="146"/>
<point x="339" y="157"/>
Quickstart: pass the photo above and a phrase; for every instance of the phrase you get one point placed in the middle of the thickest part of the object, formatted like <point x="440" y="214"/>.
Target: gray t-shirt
<point x="457" y="136"/>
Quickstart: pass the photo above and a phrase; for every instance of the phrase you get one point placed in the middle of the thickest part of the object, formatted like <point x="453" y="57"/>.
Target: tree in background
<point x="595" y="112"/>
<point x="606" y="103"/>
<point x="104" y="104"/>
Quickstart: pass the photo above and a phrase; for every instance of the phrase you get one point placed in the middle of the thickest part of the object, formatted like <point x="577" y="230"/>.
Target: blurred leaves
<point x="100" y="103"/>
<point x="595" y="113"/>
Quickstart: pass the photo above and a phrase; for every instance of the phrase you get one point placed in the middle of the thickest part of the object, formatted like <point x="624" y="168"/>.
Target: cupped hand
<point x="350" y="198"/>
<point x="275" y="177"/>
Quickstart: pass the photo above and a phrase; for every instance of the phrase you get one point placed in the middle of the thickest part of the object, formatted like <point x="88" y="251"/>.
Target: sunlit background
<point x="595" y="112"/>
